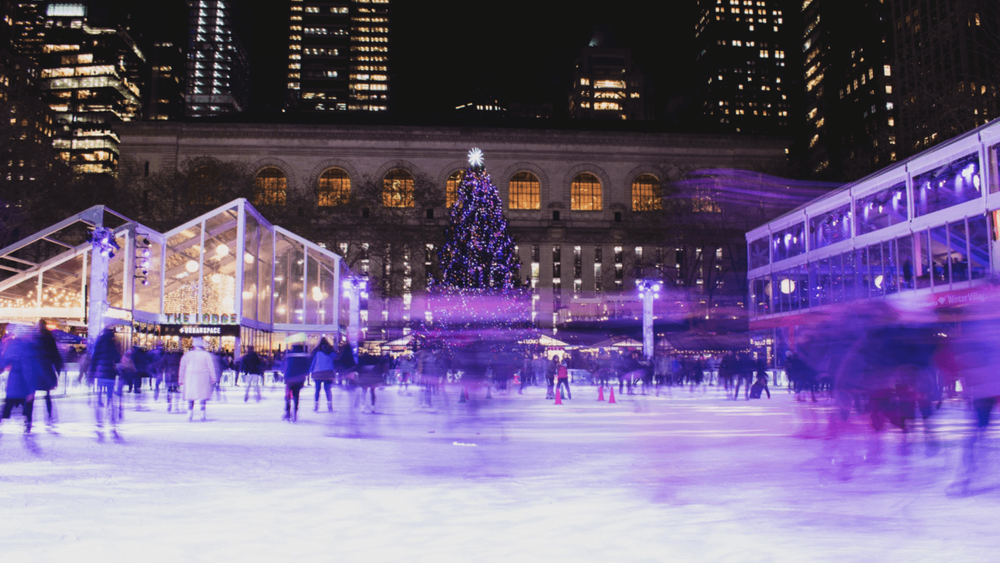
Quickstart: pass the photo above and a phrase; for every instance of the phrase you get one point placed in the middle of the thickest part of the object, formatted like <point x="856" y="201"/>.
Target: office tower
<point x="90" y="80"/>
<point x="338" y="56"/>
<point x="947" y="68"/>
<point x="851" y="114"/>
<point x="27" y="25"/>
<point x="744" y="55"/>
<point x="165" y="92"/>
<point x="606" y="85"/>
<point x="217" y="70"/>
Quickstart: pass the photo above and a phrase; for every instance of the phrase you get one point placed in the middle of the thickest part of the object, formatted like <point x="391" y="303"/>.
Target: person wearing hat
<point x="197" y="375"/>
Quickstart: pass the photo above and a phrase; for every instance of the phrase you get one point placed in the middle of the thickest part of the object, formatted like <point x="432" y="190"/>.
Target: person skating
<point x="252" y="365"/>
<point x="197" y="374"/>
<point x="323" y="371"/>
<point x="562" y="376"/>
<point x="760" y="386"/>
<point x="104" y="371"/>
<point x="49" y="364"/>
<point x="19" y="362"/>
<point x="295" y="373"/>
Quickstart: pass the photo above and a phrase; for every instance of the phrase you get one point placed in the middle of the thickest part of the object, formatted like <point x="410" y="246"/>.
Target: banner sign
<point x="200" y="330"/>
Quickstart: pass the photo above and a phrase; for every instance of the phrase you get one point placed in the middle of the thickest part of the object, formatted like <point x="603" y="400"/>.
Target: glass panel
<point x="265" y="275"/>
<point x="147" y="296"/>
<point x="328" y="281"/>
<point x="824" y="283"/>
<point x="876" y="283"/>
<point x="220" y="263"/>
<point x="20" y="300"/>
<point x="890" y="270"/>
<point x="850" y="276"/>
<point x="116" y="275"/>
<point x="959" y="259"/>
<point x="314" y="293"/>
<point x="759" y="255"/>
<point x="881" y="209"/>
<point x="61" y="287"/>
<point x="788" y="242"/>
<point x="289" y="266"/>
<point x="939" y="255"/>
<point x="802" y="286"/>
<point x="922" y="262"/>
<point x="979" y="246"/>
<point x="762" y="295"/>
<point x="863" y="284"/>
<point x="836" y="279"/>
<point x="251" y="236"/>
<point x="943" y="187"/>
<point x="182" y="281"/>
<point x="830" y="227"/>
<point x="905" y="260"/>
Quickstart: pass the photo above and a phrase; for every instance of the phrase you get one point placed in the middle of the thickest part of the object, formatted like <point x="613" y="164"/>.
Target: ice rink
<point x="679" y="477"/>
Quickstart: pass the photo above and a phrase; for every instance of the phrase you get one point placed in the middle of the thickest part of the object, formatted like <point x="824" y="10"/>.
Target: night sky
<point x="444" y="51"/>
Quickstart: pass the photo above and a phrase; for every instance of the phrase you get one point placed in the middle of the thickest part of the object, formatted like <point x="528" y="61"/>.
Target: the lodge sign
<point x="204" y="319"/>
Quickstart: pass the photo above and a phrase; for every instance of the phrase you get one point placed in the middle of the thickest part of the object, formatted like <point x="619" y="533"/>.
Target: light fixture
<point x="221" y="250"/>
<point x="191" y="266"/>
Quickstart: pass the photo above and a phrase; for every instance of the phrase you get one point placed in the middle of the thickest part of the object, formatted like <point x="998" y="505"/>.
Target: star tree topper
<point x="476" y="159"/>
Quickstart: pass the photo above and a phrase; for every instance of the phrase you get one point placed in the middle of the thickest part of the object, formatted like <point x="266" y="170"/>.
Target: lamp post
<point x="354" y="288"/>
<point x="648" y="291"/>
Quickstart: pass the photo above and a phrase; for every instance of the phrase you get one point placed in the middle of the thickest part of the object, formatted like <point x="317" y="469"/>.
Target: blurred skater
<point x="49" y="364"/>
<point x="104" y="372"/>
<point x="21" y="366"/>
<point x="253" y="366"/>
<point x="759" y="386"/>
<point x="323" y="370"/>
<point x="296" y="370"/>
<point x="198" y="374"/>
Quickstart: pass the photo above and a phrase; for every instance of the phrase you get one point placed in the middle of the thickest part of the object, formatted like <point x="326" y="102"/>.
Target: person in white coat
<point x="197" y="374"/>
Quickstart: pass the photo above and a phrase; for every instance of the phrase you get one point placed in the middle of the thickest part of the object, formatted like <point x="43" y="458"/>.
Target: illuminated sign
<point x="194" y="318"/>
<point x="199" y="330"/>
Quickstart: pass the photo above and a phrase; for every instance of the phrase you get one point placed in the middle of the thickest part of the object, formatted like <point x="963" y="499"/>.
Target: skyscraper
<point x="338" y="56"/>
<point x="606" y="85"/>
<point x="90" y="79"/>
<point x="948" y="68"/>
<point x="744" y="51"/>
<point x="217" y="70"/>
<point x="850" y="97"/>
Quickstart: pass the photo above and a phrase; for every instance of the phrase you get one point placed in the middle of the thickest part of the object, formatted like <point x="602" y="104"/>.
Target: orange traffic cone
<point x="612" y="400"/>
<point x="600" y="392"/>
<point x="558" y="396"/>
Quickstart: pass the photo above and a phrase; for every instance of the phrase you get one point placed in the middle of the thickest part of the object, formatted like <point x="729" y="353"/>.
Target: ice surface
<point x="684" y="477"/>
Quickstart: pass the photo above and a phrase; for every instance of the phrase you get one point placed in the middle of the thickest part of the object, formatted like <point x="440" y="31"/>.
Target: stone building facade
<point x="575" y="200"/>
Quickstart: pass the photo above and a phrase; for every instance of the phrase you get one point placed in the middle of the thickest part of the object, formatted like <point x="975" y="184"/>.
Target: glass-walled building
<point x="924" y="229"/>
<point x="229" y="275"/>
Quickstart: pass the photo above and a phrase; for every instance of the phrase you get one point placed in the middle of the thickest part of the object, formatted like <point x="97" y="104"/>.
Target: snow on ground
<point x="679" y="477"/>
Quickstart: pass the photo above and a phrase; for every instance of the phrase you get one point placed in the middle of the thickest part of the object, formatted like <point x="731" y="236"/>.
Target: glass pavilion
<point x="228" y="275"/>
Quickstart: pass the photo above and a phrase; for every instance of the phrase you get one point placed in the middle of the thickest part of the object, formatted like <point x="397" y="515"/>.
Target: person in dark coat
<point x="253" y="367"/>
<point x="18" y="359"/>
<point x="323" y="370"/>
<point x="296" y="370"/>
<point x="104" y="370"/>
<point x="50" y="364"/>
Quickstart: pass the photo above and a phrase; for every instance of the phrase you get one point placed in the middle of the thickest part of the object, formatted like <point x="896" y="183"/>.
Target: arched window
<point x="451" y="188"/>
<point x="525" y="191"/>
<point x="270" y="187"/>
<point x="646" y="193"/>
<point x="334" y="187"/>
<point x="397" y="189"/>
<point x="585" y="193"/>
<point x="203" y="186"/>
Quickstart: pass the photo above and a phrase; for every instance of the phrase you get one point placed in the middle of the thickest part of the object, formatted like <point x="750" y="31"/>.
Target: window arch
<point x="397" y="188"/>
<point x="524" y="191"/>
<point x="270" y="187"/>
<point x="451" y="187"/>
<point x="203" y="186"/>
<point x="647" y="195"/>
<point x="585" y="193"/>
<point x="334" y="187"/>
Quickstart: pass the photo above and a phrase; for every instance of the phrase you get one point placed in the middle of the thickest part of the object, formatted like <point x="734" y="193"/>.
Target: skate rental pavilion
<point x="229" y="276"/>
<point x="921" y="234"/>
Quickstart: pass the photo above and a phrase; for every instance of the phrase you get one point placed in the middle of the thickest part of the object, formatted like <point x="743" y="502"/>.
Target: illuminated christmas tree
<point x="478" y="253"/>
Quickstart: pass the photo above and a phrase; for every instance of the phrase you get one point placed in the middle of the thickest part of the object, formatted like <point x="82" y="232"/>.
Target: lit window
<point x="334" y="187"/>
<point x="397" y="189"/>
<point x="451" y="187"/>
<point x="646" y="193"/>
<point x="585" y="193"/>
<point x="525" y="191"/>
<point x="887" y="70"/>
<point x="270" y="187"/>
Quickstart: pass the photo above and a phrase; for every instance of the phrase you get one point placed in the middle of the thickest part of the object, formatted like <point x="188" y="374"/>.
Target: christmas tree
<point x="478" y="253"/>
